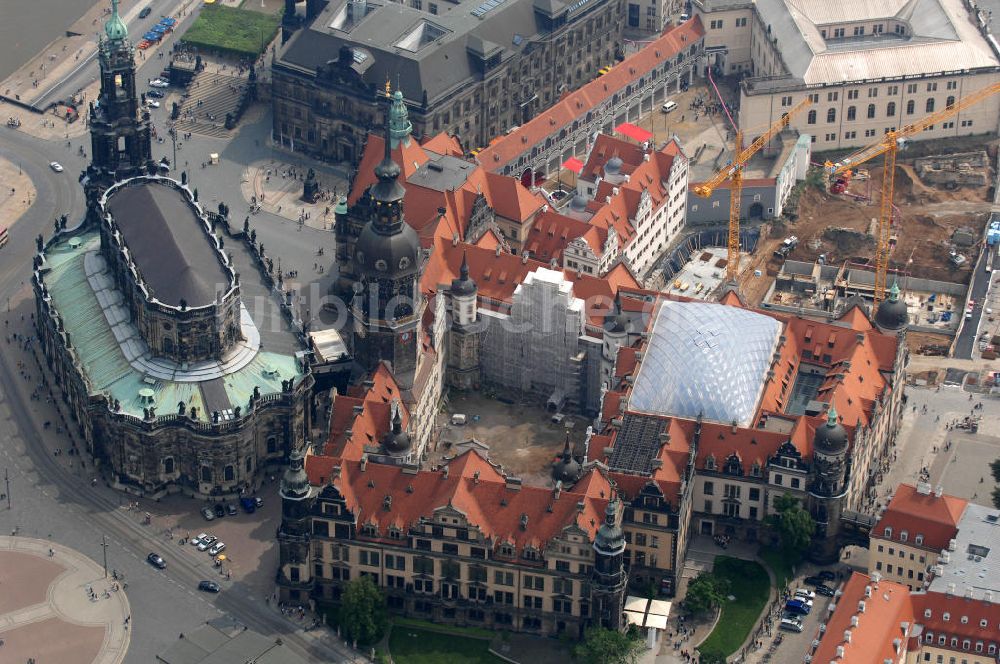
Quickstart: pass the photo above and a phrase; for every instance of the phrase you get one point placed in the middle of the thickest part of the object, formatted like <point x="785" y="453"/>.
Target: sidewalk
<point x="48" y="612"/>
<point x="16" y="195"/>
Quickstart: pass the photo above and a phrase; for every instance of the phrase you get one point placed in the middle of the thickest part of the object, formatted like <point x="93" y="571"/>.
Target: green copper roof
<point x="894" y="292"/>
<point x="115" y="29"/>
<point x="104" y="363"/>
<point x="831" y="415"/>
<point x="400" y="126"/>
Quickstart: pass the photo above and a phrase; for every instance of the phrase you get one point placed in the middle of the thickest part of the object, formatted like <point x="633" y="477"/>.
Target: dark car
<point x="156" y="561"/>
<point x="146" y="11"/>
<point x="209" y="586"/>
<point x="827" y="575"/>
<point x="155" y="94"/>
<point x="822" y="589"/>
<point x="248" y="505"/>
<point x="258" y="501"/>
<point x="220" y="511"/>
<point x="814" y="580"/>
<point x="797" y="606"/>
<point x="231" y="510"/>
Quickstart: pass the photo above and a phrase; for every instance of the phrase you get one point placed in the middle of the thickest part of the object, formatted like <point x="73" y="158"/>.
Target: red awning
<point x="634" y="132"/>
<point x="573" y="164"/>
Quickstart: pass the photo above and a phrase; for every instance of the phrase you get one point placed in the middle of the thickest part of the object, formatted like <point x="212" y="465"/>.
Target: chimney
<point x="868" y="591"/>
<point x="444" y="472"/>
<point x="497" y="252"/>
<point x="645" y="157"/>
<point x="524" y="258"/>
<point x="475" y="477"/>
<point x="364" y="462"/>
<point x="860" y="338"/>
<point x="524" y="521"/>
<point x="938" y="491"/>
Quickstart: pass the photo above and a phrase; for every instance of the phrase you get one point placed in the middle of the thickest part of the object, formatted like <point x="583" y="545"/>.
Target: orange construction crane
<point x="888" y="145"/>
<point x="734" y="171"/>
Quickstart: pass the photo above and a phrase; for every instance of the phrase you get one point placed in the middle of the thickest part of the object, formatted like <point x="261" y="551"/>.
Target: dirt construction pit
<point x="926" y="218"/>
<point x="520" y="436"/>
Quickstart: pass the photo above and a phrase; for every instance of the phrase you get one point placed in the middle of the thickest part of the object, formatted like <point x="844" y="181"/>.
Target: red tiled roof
<point x="471" y="485"/>
<point x="509" y="198"/>
<point x="577" y="103"/>
<point x="871" y="641"/>
<point x="934" y="517"/>
<point x="368" y="425"/>
<point x="606" y="147"/>
<point x="965" y="618"/>
<point x="551" y="233"/>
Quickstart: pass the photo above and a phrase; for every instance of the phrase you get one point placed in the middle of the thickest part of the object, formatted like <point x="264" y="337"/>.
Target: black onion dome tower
<point x="294" y="578"/>
<point x="609" y="577"/>
<point x="463" y="286"/>
<point x="892" y="315"/>
<point x="566" y="469"/>
<point x="120" y="131"/>
<point x="387" y="306"/>
<point x="396" y="441"/>
<point x="828" y="486"/>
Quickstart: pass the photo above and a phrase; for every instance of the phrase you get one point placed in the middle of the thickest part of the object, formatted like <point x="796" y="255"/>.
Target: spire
<point x="831" y="416"/>
<point x="463" y="273"/>
<point x="567" y="454"/>
<point x="115" y="29"/>
<point x="400" y="126"/>
<point x="894" y="292"/>
<point x="387" y="189"/>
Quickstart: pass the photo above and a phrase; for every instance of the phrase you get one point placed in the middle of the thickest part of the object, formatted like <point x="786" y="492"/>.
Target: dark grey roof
<point x="442" y="174"/>
<point x="168" y="242"/>
<point x="892" y="314"/>
<point x="439" y="66"/>
<point x="214" y="396"/>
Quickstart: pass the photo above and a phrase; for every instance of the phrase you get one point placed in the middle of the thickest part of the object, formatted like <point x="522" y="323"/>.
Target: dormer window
<point x="369" y="530"/>
<point x="929" y="638"/>
<point x="710" y="462"/>
<point x="965" y="620"/>
<point x="888" y="533"/>
<point x="530" y="553"/>
<point x="903" y="536"/>
<point x="506" y="550"/>
<point x="918" y="540"/>
<point x="946" y="616"/>
<point x="755" y="469"/>
<point x="927" y="613"/>
<point x="395" y="532"/>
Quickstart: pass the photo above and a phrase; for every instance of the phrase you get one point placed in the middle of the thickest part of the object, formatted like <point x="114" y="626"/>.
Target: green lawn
<point x="232" y="30"/>
<point x="750" y="586"/>
<point x="409" y="645"/>
<point x="780" y="563"/>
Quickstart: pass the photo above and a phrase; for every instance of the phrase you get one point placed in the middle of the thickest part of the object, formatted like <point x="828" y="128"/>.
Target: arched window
<point x="950" y="102"/>
<point x="229" y="473"/>
<point x="852" y="113"/>
<point x="831" y="115"/>
<point x="811" y="118"/>
<point x="871" y="111"/>
<point x="206" y="473"/>
<point x="168" y="466"/>
<point x="910" y="107"/>
<point x="930" y="105"/>
<point x="272" y="444"/>
<point x="890" y="109"/>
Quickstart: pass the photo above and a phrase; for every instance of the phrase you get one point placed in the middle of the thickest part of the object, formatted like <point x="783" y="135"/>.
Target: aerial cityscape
<point x="483" y="331"/>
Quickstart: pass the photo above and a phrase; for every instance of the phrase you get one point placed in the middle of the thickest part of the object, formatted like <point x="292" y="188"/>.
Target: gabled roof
<point x="475" y="488"/>
<point x="551" y="234"/>
<point x="607" y="147"/>
<point x="362" y="416"/>
<point x="921" y="513"/>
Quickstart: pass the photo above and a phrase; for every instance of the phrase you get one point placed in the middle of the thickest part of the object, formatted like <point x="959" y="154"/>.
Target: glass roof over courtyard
<point x="705" y="358"/>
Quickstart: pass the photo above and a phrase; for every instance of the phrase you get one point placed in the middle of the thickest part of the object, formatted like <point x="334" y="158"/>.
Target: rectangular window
<point x="872" y="93"/>
<point x="709" y="488"/>
<point x="832" y="96"/>
<point x="754" y="493"/>
<point x="503" y="578"/>
<point x="932" y="87"/>
<point x="852" y="94"/>
<point x="786" y="101"/>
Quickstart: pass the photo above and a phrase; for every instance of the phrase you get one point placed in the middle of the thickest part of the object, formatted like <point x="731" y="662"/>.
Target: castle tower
<point x="294" y="565"/>
<point x="400" y="126"/>
<point x="463" y="342"/>
<point x="387" y="306"/>
<point x="609" y="577"/>
<point x="892" y="315"/>
<point x="120" y="134"/>
<point x="828" y="486"/>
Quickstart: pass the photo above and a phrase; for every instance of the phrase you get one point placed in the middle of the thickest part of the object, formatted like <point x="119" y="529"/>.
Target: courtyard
<point x="519" y="435"/>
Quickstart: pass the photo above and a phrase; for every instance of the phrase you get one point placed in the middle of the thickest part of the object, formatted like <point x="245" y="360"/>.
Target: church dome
<point x="395" y="254"/>
<point x="892" y="313"/>
<point x="831" y="437"/>
<point x="115" y="28"/>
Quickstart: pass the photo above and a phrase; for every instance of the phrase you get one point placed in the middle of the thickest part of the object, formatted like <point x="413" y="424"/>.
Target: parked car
<point x="797" y="606"/>
<point x="827" y="575"/>
<point x="825" y="590"/>
<point x="217" y="549"/>
<point x="258" y="501"/>
<point x="209" y="586"/>
<point x="159" y="83"/>
<point x="791" y="624"/>
<point x="803" y="592"/>
<point x="231" y="509"/>
<point x="56" y="166"/>
<point x="207" y="513"/>
<point x="152" y="103"/>
<point x="156" y="561"/>
<point x="206" y="542"/>
<point x="155" y="94"/>
<point x="146" y="11"/>
<point x="249" y="506"/>
<point x="195" y="541"/>
<point x="220" y="511"/>
<point x="813" y="580"/>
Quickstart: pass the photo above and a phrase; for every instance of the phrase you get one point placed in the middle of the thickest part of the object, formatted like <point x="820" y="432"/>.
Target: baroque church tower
<point x="387" y="305"/>
<point x="120" y="131"/>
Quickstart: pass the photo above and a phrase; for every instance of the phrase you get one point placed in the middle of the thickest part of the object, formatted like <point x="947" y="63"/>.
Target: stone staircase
<point x="217" y="96"/>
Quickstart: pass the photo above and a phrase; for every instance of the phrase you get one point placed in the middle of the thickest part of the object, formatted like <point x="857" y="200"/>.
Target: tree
<point x="608" y="646"/>
<point x="794" y="524"/>
<point x="996" y="497"/>
<point x="363" y="616"/>
<point x="705" y="592"/>
<point x="995" y="469"/>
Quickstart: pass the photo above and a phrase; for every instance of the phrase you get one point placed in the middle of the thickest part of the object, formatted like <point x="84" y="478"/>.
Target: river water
<point x="26" y="27"/>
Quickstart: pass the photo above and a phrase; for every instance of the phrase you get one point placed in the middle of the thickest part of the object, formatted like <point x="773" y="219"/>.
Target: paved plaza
<point x="57" y="606"/>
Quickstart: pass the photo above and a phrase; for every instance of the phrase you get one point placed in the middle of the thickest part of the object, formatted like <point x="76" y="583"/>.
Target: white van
<point x="669" y="107"/>
<point x="458" y="419"/>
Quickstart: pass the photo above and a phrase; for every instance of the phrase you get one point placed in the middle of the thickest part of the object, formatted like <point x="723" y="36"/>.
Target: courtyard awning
<point x="573" y="164"/>
<point x="634" y="132"/>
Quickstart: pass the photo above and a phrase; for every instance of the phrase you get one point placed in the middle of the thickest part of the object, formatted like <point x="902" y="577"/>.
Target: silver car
<point x="217" y="549"/>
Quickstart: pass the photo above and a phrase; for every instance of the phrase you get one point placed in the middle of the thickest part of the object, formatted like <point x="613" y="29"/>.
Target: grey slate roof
<point x="437" y="67"/>
<point x="168" y="242"/>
